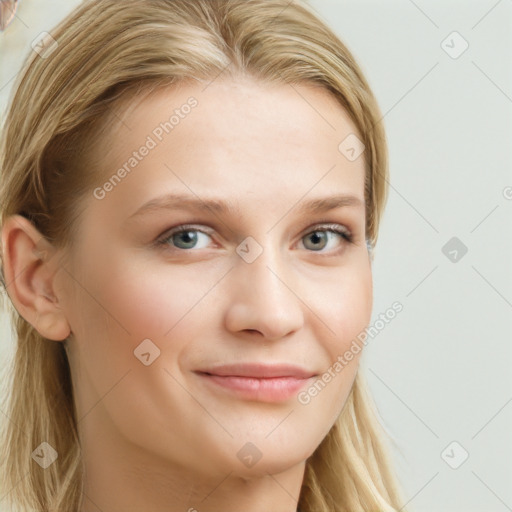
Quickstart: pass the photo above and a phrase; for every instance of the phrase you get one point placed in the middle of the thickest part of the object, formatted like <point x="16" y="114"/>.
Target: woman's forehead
<point x="303" y="107"/>
<point x="232" y="121"/>
<point x="249" y="140"/>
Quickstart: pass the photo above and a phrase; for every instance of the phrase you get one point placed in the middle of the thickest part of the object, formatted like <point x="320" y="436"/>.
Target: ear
<point x="30" y="265"/>
<point x="370" y="251"/>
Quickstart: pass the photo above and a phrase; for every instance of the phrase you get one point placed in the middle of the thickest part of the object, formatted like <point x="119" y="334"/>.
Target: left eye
<point x="324" y="236"/>
<point x="186" y="237"/>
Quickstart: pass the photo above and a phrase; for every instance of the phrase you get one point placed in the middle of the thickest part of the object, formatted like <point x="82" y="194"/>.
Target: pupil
<point x="317" y="237"/>
<point x="188" y="237"/>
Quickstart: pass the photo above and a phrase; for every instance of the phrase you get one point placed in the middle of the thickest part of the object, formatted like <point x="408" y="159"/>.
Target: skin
<point x="159" y="437"/>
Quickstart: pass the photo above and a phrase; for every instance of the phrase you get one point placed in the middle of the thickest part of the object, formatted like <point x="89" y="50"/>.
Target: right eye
<point x="187" y="236"/>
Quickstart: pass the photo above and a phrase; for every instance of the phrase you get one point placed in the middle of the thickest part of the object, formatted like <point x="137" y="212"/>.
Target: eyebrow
<point x="222" y="207"/>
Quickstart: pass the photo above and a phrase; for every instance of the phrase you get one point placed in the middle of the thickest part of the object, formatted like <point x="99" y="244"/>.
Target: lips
<point x="257" y="381"/>
<point x="259" y="371"/>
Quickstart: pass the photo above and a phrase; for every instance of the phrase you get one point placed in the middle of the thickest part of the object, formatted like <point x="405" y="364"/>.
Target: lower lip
<point x="276" y="389"/>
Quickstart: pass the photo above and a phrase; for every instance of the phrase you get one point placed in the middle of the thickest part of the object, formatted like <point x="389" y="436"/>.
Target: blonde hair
<point x="106" y="51"/>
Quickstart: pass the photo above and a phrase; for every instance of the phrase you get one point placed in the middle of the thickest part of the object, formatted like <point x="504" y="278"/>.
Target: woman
<point x="190" y="195"/>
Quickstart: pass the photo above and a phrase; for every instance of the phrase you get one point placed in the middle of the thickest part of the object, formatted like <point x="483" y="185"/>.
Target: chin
<point x="264" y="468"/>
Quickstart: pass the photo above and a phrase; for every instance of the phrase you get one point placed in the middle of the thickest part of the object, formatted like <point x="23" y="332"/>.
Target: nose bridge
<point x="263" y="293"/>
<point x="263" y="275"/>
<point x="264" y="264"/>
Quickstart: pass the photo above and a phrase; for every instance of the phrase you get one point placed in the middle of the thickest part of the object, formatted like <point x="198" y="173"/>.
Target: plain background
<point x="440" y="370"/>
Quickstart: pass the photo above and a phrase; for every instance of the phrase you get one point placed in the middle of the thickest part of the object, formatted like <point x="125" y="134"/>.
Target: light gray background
<point x="440" y="371"/>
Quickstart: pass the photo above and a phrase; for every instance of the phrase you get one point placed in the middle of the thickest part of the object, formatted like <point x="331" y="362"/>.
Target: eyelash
<point x="335" y="228"/>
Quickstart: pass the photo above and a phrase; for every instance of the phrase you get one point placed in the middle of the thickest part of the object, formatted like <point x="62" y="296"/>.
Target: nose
<point x="263" y="299"/>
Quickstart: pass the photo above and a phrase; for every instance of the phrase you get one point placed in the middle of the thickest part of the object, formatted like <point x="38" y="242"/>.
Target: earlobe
<point x="370" y="251"/>
<point x="30" y="269"/>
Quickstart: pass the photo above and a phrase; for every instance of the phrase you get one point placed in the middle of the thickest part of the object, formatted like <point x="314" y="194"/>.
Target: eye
<point x="185" y="237"/>
<point x="189" y="237"/>
<point x="322" y="235"/>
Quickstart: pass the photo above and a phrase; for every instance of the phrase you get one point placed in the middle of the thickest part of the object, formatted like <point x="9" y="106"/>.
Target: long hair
<point x="104" y="52"/>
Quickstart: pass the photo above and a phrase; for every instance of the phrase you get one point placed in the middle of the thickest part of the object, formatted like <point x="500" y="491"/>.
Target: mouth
<point x="255" y="388"/>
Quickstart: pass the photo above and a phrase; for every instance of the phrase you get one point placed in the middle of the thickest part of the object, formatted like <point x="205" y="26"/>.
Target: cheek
<point x="356" y="305"/>
<point x="122" y="303"/>
<point x="147" y="301"/>
<point x="345" y="306"/>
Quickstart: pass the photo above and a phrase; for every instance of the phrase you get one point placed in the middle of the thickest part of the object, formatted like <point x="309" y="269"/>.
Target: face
<point x="259" y="276"/>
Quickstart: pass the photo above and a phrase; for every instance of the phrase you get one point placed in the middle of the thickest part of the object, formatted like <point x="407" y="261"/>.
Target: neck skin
<point x="121" y="477"/>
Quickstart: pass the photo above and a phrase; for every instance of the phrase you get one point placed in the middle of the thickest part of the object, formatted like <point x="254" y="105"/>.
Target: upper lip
<point x="259" y="370"/>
